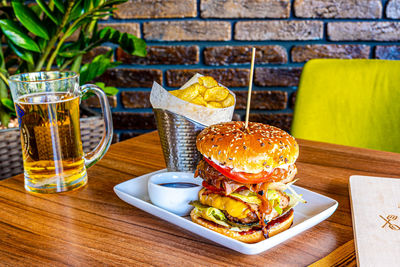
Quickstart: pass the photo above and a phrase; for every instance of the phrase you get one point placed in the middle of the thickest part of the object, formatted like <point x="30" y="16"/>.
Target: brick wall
<point x="214" y="37"/>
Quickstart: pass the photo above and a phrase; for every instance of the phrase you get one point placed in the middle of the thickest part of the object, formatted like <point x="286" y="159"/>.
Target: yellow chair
<point x="352" y="102"/>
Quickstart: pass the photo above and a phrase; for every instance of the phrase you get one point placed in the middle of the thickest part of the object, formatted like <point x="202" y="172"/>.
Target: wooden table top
<point x="92" y="226"/>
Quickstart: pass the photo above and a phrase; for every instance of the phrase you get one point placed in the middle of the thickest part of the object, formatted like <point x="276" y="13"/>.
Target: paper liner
<point x="162" y="99"/>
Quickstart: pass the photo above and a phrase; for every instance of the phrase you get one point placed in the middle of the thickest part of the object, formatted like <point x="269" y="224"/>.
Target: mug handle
<point x="98" y="152"/>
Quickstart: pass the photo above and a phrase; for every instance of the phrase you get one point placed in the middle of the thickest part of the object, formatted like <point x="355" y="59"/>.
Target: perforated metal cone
<point x="178" y="140"/>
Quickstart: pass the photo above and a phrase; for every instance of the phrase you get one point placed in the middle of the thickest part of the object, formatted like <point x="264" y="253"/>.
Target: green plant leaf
<point x="60" y="5"/>
<point x="24" y="54"/>
<point x="48" y="12"/>
<point x="114" y="2"/>
<point x="76" y="11"/>
<point x="2" y="61"/>
<point x="16" y="35"/>
<point x="71" y="53"/>
<point x="97" y="67"/>
<point x="102" y="14"/>
<point x="87" y="95"/>
<point x="4" y="116"/>
<point x="101" y="85"/>
<point x="87" y="5"/>
<point x="42" y="44"/>
<point x="109" y="90"/>
<point x="76" y="64"/>
<point x="8" y="103"/>
<point x="38" y="11"/>
<point x="60" y="61"/>
<point x="130" y="43"/>
<point x="29" y="19"/>
<point x="3" y="89"/>
<point x="74" y="47"/>
<point x="76" y="27"/>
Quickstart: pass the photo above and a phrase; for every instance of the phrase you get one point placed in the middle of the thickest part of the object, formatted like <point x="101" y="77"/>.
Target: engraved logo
<point x="25" y="140"/>
<point x="388" y="222"/>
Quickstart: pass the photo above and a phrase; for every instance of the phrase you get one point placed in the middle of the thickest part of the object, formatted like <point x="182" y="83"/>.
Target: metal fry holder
<point x="178" y="140"/>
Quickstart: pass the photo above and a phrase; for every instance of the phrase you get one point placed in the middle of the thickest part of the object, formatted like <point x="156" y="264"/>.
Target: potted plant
<point x="34" y="37"/>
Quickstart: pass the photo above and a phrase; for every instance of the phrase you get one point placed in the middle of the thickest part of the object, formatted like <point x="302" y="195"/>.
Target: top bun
<point x="259" y="148"/>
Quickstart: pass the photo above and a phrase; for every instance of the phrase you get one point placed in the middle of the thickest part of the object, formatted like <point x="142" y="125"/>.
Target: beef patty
<point x="251" y="218"/>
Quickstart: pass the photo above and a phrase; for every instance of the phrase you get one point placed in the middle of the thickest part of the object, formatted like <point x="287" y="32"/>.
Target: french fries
<point x="228" y="101"/>
<point x="214" y="105"/>
<point x="208" y="81"/>
<point x="207" y="93"/>
<point x="216" y="94"/>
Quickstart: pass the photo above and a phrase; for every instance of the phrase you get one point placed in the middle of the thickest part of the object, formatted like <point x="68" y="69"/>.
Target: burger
<point x="246" y="173"/>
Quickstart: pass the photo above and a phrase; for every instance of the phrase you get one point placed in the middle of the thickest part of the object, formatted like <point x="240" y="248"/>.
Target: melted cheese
<point x="233" y="207"/>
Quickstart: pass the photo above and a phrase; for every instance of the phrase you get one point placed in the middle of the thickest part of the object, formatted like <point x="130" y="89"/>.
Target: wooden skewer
<point x="253" y="56"/>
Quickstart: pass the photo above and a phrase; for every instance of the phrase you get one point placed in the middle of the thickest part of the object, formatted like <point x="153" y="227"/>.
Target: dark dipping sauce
<point x="179" y="185"/>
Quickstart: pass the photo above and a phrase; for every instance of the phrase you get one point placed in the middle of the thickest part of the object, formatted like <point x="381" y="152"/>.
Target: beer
<point x="47" y="106"/>
<point x="51" y="141"/>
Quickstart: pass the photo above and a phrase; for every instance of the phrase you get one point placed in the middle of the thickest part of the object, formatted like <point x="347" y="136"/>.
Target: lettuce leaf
<point x="294" y="196"/>
<point x="272" y="194"/>
<point x="294" y="199"/>
<point x="278" y="208"/>
<point x="210" y="213"/>
<point x="274" y="200"/>
<point x="217" y="216"/>
<point x="247" y="196"/>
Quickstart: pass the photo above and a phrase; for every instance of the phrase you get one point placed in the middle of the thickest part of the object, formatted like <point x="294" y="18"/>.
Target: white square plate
<point x="317" y="209"/>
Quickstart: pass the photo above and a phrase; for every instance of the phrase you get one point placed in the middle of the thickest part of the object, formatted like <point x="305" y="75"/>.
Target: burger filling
<point x="239" y="206"/>
<point x="220" y="182"/>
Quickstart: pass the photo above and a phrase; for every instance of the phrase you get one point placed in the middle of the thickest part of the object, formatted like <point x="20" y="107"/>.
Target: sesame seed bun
<point x="259" y="148"/>
<point x="255" y="236"/>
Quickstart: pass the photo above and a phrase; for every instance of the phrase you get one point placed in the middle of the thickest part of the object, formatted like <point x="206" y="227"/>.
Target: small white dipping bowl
<point x="173" y="199"/>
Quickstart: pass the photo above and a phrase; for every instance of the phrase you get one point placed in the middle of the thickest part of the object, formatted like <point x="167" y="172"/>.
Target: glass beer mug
<point x="47" y="107"/>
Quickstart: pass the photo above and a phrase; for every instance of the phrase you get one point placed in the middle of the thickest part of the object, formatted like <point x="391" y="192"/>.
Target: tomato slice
<point x="241" y="177"/>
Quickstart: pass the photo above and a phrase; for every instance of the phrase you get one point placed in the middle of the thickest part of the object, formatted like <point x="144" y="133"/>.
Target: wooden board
<point x="342" y="256"/>
<point x="376" y="220"/>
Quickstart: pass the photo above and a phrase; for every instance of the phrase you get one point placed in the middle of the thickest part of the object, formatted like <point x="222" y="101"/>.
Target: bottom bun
<point x="281" y="223"/>
<point x="253" y="236"/>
